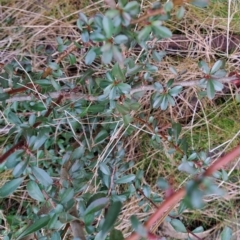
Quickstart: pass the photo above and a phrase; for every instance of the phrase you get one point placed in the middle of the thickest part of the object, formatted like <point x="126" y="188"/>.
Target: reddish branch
<point x="178" y="195"/>
<point x="21" y="143"/>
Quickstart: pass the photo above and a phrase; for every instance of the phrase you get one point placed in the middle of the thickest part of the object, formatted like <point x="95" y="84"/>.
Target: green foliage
<point x="70" y="150"/>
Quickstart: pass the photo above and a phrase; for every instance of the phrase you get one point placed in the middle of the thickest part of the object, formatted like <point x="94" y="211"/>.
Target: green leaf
<point x="124" y="88"/>
<point x="37" y="225"/>
<point x="83" y="17"/>
<point x="162" y="183"/>
<point x="186" y="167"/>
<point x="4" y="96"/>
<point x="164" y="102"/>
<point x="210" y="89"/>
<point x="72" y="59"/>
<point x="175" y="91"/>
<point x="104" y="168"/>
<point x="217" y="65"/>
<point x="37" y="106"/>
<point x="178" y="226"/>
<point x="138" y="227"/>
<point x="143" y="35"/>
<point x="85" y="36"/>
<point x="94" y="197"/>
<point x="120" y="39"/>
<point x="180" y="13"/>
<point x="127" y="119"/>
<point x="19" y="168"/>
<point x="226" y="233"/>
<point x="116" y="235"/>
<point x="96" y="205"/>
<point x="9" y="187"/>
<point x="111" y="217"/>
<point x="198" y="229"/>
<point x="107" y="56"/>
<point x="56" y="87"/>
<point x="13" y="118"/>
<point x="200" y="3"/>
<point x="204" y="67"/>
<point x="117" y="55"/>
<point x="132" y="8"/>
<point x="176" y="128"/>
<point x="218" y="86"/>
<point x="126" y="19"/>
<point x="78" y="153"/>
<point x="40" y="140"/>
<point x="125" y="179"/>
<point x="168" y="6"/>
<point x="42" y="176"/>
<point x="161" y="31"/>
<point x="32" y="119"/>
<point x="133" y="70"/>
<point x="158" y="56"/>
<point x="118" y="73"/>
<point x="54" y="66"/>
<point x="101" y="136"/>
<point x="67" y="195"/>
<point x="107" y="26"/>
<point x="34" y="191"/>
<point x="122" y="108"/>
<point x="90" y="57"/>
<point x="97" y="37"/>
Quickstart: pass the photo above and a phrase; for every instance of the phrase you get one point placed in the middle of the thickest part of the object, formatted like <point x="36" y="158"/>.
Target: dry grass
<point x="30" y="29"/>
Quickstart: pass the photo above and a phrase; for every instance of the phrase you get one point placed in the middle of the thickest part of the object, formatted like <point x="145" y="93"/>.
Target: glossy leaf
<point x="226" y="233"/>
<point x="37" y="225"/>
<point x="162" y="32"/>
<point x="96" y="205"/>
<point x="120" y="39"/>
<point x="9" y="187"/>
<point x="210" y="89"/>
<point x="200" y="3"/>
<point x="125" y="179"/>
<point x="204" y="67"/>
<point x="218" y="86"/>
<point x="138" y="227"/>
<point x="178" y="226"/>
<point x="13" y="118"/>
<point x="217" y="65"/>
<point x="180" y="13"/>
<point x="158" y="56"/>
<point x="132" y="8"/>
<point x="42" y="176"/>
<point x="144" y="33"/>
<point x="19" y="168"/>
<point x="90" y="57"/>
<point x="4" y="96"/>
<point x="107" y="26"/>
<point x="101" y="136"/>
<point x="118" y="72"/>
<point x="117" y="55"/>
<point x="107" y="56"/>
<point x="104" y="168"/>
<point x="111" y="217"/>
<point x="34" y="191"/>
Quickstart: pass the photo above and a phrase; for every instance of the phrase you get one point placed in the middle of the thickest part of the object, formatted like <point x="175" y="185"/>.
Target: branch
<point x="150" y="13"/>
<point x="77" y="95"/>
<point x="171" y="201"/>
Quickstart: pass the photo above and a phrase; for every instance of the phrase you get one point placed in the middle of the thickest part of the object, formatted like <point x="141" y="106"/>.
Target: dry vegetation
<point x="30" y="28"/>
